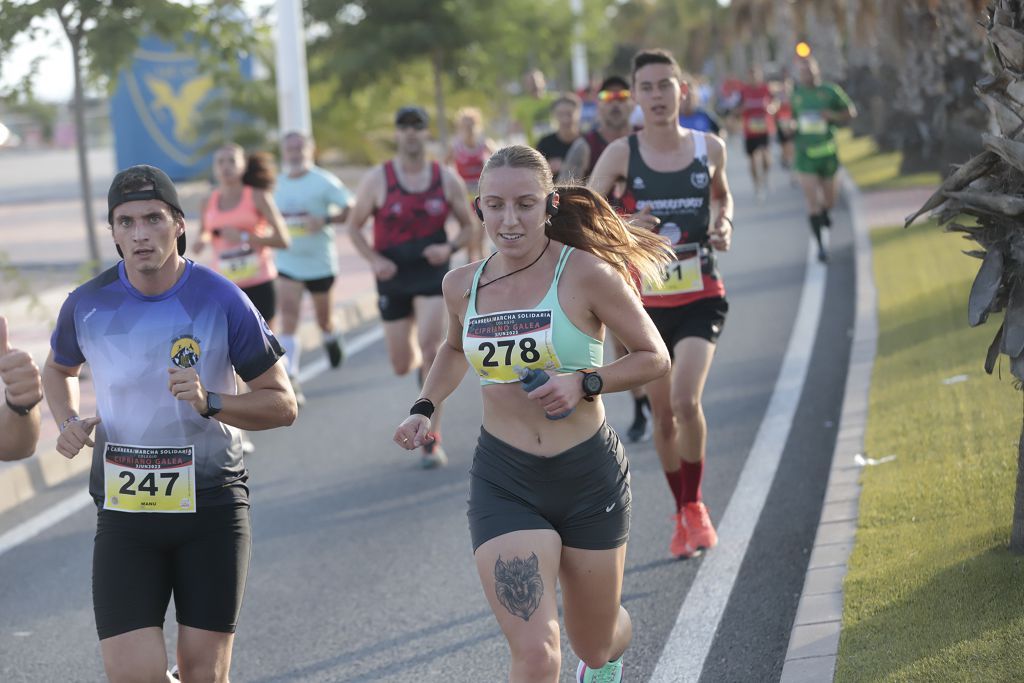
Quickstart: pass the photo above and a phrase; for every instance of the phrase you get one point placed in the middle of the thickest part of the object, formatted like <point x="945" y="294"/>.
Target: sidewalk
<point x="31" y="318"/>
<point x="814" y="642"/>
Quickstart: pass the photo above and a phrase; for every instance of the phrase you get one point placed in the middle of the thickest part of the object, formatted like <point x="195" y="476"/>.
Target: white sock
<point x="292" y="351"/>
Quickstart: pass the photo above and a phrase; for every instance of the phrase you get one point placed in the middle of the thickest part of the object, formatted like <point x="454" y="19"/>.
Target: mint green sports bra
<point x="498" y="344"/>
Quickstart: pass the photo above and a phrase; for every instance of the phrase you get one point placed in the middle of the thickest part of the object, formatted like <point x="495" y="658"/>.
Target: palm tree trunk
<point x="1017" y="529"/>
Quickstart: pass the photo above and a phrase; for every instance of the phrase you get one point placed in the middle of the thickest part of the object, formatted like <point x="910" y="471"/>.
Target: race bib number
<point x="812" y="123"/>
<point x="296" y="224"/>
<point x="757" y="125"/>
<point x="498" y="342"/>
<point x="145" y="479"/>
<point x="682" y="276"/>
<point x="239" y="265"/>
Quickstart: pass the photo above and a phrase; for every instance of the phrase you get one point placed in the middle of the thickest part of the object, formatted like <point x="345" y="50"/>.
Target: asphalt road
<point x="362" y="567"/>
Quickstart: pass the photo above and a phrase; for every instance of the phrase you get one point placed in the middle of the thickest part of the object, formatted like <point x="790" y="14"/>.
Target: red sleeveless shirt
<point x="410" y="217"/>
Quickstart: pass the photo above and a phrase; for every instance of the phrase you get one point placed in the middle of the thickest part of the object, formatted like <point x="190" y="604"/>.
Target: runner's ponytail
<point x="587" y="221"/>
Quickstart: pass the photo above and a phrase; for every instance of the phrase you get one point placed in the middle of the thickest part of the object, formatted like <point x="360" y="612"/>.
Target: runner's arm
<point x="278" y="237"/>
<point x="843" y="110"/>
<point x="19" y="434"/>
<point x="61" y="388"/>
<point x="611" y="166"/>
<point x="721" y="196"/>
<point x="366" y="202"/>
<point x="270" y="402"/>
<point x="204" y="234"/>
<point x="576" y="161"/>
<point x="449" y="364"/>
<point x="458" y="200"/>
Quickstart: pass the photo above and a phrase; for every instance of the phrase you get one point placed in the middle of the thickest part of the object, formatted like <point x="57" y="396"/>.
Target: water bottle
<point x="532" y="379"/>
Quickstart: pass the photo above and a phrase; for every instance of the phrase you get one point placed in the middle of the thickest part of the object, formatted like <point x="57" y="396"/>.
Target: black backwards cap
<point x="163" y="189"/>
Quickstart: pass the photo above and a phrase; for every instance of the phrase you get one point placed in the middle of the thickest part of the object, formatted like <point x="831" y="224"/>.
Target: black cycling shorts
<point x="754" y="143"/>
<point x="581" y="493"/>
<point x="141" y="558"/>
<point x="704" y="318"/>
<point x="395" y="295"/>
<point x="264" y="298"/>
<point x="315" y="286"/>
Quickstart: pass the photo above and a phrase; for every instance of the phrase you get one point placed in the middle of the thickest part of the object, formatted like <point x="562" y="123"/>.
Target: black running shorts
<point x="140" y="559"/>
<point x="582" y="493"/>
<point x="704" y="318"/>
<point x="315" y="286"/>
<point x="396" y="295"/>
<point x="264" y="298"/>
<point x="755" y="142"/>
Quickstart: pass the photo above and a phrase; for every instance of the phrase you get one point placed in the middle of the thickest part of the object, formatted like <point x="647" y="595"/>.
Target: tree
<point x="103" y="35"/>
<point x="988" y="189"/>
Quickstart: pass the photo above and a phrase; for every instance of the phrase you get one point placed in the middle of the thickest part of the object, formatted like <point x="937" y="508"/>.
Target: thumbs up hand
<point x="19" y="373"/>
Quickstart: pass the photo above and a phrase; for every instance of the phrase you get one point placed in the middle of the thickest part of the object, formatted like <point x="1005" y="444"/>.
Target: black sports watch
<point x="213" y="404"/>
<point x="19" y="410"/>
<point x="592" y="384"/>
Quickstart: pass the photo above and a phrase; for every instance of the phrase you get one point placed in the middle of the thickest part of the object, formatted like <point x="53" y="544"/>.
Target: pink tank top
<point x="244" y="264"/>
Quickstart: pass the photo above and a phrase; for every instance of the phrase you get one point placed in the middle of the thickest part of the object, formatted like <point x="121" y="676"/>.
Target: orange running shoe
<point x="680" y="546"/>
<point x="698" y="526"/>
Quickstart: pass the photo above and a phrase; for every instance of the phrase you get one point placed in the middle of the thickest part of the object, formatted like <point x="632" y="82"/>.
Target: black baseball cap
<point x="614" y="82"/>
<point x="163" y="189"/>
<point x="411" y="114"/>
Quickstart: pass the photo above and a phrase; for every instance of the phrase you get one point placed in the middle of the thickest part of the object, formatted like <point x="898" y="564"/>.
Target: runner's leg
<point x="599" y="628"/>
<point x="290" y="300"/>
<point x="204" y="656"/>
<point x="518" y="571"/>
<point x="400" y="336"/>
<point x="431" y="323"/>
<point x="136" y="656"/>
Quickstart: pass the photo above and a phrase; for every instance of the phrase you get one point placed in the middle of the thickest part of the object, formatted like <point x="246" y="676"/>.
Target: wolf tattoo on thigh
<point x="518" y="585"/>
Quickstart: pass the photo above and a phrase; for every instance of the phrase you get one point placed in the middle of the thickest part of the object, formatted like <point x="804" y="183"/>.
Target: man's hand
<point x="75" y="435"/>
<point x="314" y="223"/>
<point x="720" y="234"/>
<point x="384" y="268"/>
<point x="644" y="218"/>
<point x="438" y="254"/>
<point x="185" y="386"/>
<point x="19" y="373"/>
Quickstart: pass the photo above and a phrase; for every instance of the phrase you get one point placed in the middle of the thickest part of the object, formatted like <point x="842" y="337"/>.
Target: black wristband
<point x="19" y="410"/>
<point x="423" y="406"/>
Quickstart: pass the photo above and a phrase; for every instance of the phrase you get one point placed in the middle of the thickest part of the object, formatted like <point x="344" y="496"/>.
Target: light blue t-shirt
<point x="312" y="255"/>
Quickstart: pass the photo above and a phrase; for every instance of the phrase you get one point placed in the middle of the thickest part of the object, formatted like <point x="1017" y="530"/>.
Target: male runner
<point x="410" y="200"/>
<point x="818" y="108"/>
<point x="758" y="108"/>
<point x="23" y="391"/>
<point x="554" y="146"/>
<point x="164" y="338"/>
<point x="306" y="195"/>
<point x="672" y="176"/>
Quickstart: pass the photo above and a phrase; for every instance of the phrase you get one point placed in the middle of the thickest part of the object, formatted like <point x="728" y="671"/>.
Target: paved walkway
<point x="814" y="642"/>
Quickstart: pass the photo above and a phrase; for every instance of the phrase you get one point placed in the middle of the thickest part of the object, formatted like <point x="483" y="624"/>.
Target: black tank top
<point x="682" y="201"/>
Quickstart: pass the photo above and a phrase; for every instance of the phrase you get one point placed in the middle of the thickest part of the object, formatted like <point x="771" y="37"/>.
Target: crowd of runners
<point x="616" y="229"/>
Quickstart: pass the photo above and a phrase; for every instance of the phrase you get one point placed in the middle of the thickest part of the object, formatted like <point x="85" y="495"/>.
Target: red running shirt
<point x="410" y="219"/>
<point x="755" y="102"/>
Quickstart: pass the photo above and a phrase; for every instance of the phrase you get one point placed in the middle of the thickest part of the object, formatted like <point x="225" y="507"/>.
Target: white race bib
<point x="149" y="479"/>
<point x="682" y="276"/>
<point x="495" y="343"/>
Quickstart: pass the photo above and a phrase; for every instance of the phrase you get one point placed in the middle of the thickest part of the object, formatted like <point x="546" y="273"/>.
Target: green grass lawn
<point x="875" y="170"/>
<point x="932" y="593"/>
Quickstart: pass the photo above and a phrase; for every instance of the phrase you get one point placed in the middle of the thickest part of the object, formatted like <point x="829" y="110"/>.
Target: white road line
<point x="58" y="513"/>
<point x="43" y="521"/>
<point x="701" y="612"/>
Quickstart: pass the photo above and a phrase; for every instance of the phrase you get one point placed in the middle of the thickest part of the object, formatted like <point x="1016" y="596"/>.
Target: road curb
<point x="22" y="480"/>
<point x="814" y="642"/>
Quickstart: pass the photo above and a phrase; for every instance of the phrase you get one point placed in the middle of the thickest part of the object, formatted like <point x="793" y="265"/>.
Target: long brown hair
<point x="587" y="221"/>
<point x="259" y="168"/>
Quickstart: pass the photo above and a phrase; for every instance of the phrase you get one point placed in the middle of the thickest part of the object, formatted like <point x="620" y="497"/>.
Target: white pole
<point x="292" y="80"/>
<point x="580" y="73"/>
